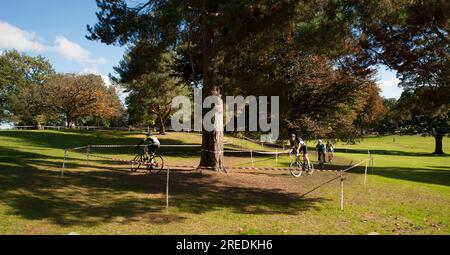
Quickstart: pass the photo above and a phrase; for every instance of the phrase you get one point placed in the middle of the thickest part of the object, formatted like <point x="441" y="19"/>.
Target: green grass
<point x="404" y="158"/>
<point x="408" y="189"/>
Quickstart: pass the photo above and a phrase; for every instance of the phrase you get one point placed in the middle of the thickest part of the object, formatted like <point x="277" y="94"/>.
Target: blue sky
<point x="56" y="29"/>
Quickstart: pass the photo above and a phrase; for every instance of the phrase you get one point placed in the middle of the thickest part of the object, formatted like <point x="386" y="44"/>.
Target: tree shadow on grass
<point x="92" y="197"/>
<point x="84" y="198"/>
<point x="200" y="193"/>
<point x="432" y="174"/>
<point x="389" y="152"/>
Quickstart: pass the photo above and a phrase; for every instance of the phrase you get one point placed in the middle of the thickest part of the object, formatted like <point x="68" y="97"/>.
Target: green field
<point x="408" y="189"/>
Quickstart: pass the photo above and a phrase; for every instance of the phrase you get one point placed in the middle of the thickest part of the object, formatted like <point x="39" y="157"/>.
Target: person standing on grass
<point x="330" y="151"/>
<point x="320" y="148"/>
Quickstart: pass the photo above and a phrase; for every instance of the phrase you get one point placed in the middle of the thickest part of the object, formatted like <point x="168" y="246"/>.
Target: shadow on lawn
<point x="389" y="152"/>
<point x="89" y="198"/>
<point x="200" y="193"/>
<point x="432" y="174"/>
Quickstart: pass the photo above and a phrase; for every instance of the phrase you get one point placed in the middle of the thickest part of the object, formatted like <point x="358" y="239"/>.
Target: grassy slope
<point x="407" y="193"/>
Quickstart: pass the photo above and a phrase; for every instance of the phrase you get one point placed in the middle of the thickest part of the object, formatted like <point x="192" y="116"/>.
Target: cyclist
<point x="152" y="143"/>
<point x="320" y="148"/>
<point x="298" y="145"/>
<point x="330" y="151"/>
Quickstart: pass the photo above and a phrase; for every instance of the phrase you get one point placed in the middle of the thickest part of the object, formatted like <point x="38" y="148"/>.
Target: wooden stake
<point x="64" y="163"/>
<point x="342" y="190"/>
<point x="365" y="173"/>
<point x="167" y="189"/>
<point x="276" y="157"/>
<point x="88" y="150"/>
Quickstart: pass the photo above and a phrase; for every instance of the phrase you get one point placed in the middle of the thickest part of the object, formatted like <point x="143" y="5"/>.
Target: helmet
<point x="320" y="141"/>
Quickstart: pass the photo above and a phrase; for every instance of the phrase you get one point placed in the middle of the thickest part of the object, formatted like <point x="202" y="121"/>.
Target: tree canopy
<point x="19" y="71"/>
<point x="318" y="56"/>
<point x="410" y="37"/>
<point x="213" y="27"/>
<point x="150" y="89"/>
<point x="81" y="96"/>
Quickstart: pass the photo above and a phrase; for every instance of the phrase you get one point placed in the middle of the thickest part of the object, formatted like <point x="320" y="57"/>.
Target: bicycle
<point x="298" y="166"/>
<point x="154" y="163"/>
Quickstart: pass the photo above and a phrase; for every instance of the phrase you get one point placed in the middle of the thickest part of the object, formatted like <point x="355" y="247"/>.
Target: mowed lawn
<point x="408" y="189"/>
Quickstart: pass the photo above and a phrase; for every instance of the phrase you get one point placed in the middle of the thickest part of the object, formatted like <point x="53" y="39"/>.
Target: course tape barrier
<point x="121" y="160"/>
<point x="199" y="167"/>
<point x="129" y="146"/>
<point x="181" y="146"/>
<point x="228" y="168"/>
<point x="251" y="151"/>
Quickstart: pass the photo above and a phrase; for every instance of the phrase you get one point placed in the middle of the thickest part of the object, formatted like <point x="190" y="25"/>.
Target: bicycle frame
<point x="153" y="162"/>
<point x="302" y="160"/>
<point x="150" y="156"/>
<point x="304" y="165"/>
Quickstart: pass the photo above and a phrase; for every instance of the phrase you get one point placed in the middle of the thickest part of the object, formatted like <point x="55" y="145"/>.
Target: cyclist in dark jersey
<point x="298" y="145"/>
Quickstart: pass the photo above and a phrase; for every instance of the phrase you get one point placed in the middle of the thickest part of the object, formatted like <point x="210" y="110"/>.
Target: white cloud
<point x="95" y="71"/>
<point x="12" y="37"/>
<point x="90" y="70"/>
<point x="390" y="88"/>
<point x="74" y="51"/>
<point x="391" y="83"/>
<point x="119" y="90"/>
<point x="106" y="80"/>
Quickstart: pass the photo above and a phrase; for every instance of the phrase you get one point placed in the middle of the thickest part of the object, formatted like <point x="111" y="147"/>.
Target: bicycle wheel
<point x="156" y="164"/>
<point x="296" y="169"/>
<point x="310" y="169"/>
<point x="137" y="161"/>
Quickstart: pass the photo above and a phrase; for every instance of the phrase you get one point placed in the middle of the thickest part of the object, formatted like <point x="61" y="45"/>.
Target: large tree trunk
<point x="438" y="145"/>
<point x="162" y="128"/>
<point x="212" y="141"/>
<point x="212" y="150"/>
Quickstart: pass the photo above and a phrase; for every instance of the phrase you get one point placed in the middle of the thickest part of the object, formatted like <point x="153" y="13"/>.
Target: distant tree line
<point x="32" y="93"/>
